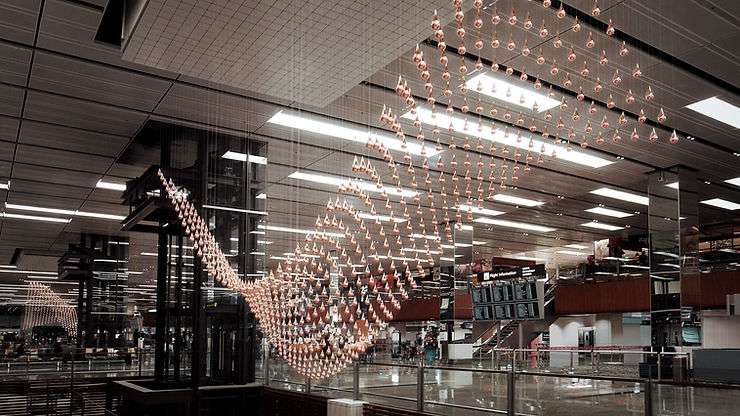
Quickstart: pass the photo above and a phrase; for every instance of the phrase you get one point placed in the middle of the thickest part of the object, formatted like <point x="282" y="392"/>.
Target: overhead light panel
<point x="244" y="211"/>
<point x="243" y="157"/>
<point x="515" y="200"/>
<point x="601" y="226"/>
<point x="515" y="224"/>
<point x="339" y="181"/>
<point x="719" y="110"/>
<point x="734" y="181"/>
<point x="503" y="90"/>
<point x="64" y="212"/>
<point x="673" y="185"/>
<point x="479" y="210"/>
<point x="261" y="195"/>
<point x="34" y="217"/>
<point x="473" y="128"/>
<point x="621" y="195"/>
<point x="5" y="185"/>
<point x="111" y="185"/>
<point x="721" y="203"/>
<point x="333" y="129"/>
<point x="383" y="218"/>
<point x="295" y="230"/>
<point x="609" y="212"/>
<point x="576" y="246"/>
<point x="571" y="253"/>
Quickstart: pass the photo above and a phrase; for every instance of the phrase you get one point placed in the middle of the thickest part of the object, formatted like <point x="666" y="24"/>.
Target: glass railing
<point x="520" y="382"/>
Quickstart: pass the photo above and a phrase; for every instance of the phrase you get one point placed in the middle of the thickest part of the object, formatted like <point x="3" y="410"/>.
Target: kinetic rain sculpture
<point x="318" y="323"/>
<point x="46" y="308"/>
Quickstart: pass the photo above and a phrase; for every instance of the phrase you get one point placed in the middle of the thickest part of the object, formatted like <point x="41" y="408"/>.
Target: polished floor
<point x="462" y="392"/>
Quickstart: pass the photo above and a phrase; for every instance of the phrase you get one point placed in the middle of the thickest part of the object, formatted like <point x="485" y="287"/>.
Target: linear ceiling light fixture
<point x="34" y="217"/>
<point x="339" y="181"/>
<point x="515" y="200"/>
<point x="111" y="185"/>
<point x="719" y="110"/>
<point x="576" y="246"/>
<point x="721" y="203"/>
<point x="601" y="226"/>
<point x="278" y="228"/>
<point x="333" y="129"/>
<point x="243" y="157"/>
<point x="64" y="212"/>
<point x="515" y="224"/>
<point x="734" y="181"/>
<point x="472" y="128"/>
<point x="478" y="210"/>
<point x="244" y="211"/>
<point x="503" y="90"/>
<point x="609" y="212"/>
<point x="621" y="195"/>
<point x="383" y="218"/>
<point x="5" y="185"/>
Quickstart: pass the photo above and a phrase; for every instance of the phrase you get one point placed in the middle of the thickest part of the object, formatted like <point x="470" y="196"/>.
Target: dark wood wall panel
<point x="602" y="297"/>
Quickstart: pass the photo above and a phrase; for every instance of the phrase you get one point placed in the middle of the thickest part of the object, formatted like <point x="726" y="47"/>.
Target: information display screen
<point x="501" y="297"/>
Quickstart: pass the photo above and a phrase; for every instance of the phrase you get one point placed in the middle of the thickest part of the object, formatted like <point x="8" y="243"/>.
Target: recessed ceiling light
<point x="295" y="230"/>
<point x="34" y="217"/>
<point x="734" y="181"/>
<point x="503" y="90"/>
<point x="243" y="157"/>
<point x="257" y="253"/>
<point x="339" y="181"/>
<point x="261" y="195"/>
<point x="515" y="200"/>
<point x="478" y="210"/>
<point x="111" y="185"/>
<point x="332" y="129"/>
<point x="5" y="185"/>
<point x="721" y="203"/>
<point x="609" y="212"/>
<point x="576" y="246"/>
<point x="601" y="226"/>
<point x="719" y="110"/>
<point x="244" y="211"/>
<point x="515" y="224"/>
<point x="383" y="218"/>
<point x="621" y="195"/>
<point x="571" y="253"/>
<point x="673" y="185"/>
<point x="64" y="212"/>
<point x="473" y="128"/>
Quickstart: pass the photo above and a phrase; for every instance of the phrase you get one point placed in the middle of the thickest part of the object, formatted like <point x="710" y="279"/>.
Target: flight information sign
<point x="510" y="294"/>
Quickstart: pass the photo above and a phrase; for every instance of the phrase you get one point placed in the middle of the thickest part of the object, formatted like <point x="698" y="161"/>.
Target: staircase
<point x="490" y="339"/>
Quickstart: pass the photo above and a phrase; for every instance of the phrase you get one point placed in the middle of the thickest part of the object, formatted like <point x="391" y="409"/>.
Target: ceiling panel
<point x="18" y="20"/>
<point x="11" y="99"/>
<point x="15" y="63"/>
<point x="6" y="151"/>
<point x="76" y="113"/>
<point x="54" y="175"/>
<point x="95" y="82"/>
<point x="72" y="139"/>
<point x="62" y="159"/>
<point x="8" y="128"/>
<point x="45" y="189"/>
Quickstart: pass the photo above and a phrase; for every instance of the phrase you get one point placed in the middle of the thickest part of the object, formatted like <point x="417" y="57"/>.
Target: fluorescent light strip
<point x="510" y="93"/>
<point x="673" y="185"/>
<point x="515" y="200"/>
<point x="576" y="246"/>
<point x="111" y="185"/>
<point x="442" y="119"/>
<point x="332" y="129"/>
<point x="734" y="181"/>
<point x="423" y="251"/>
<point x="28" y="272"/>
<point x="383" y="218"/>
<point x="5" y="185"/>
<point x="571" y="253"/>
<point x="721" y="203"/>
<point x="515" y="224"/>
<point x="261" y="195"/>
<point x="243" y="157"/>
<point x="34" y="217"/>
<point x="63" y="212"/>
<point x="338" y="181"/>
<point x="609" y="212"/>
<point x="478" y="210"/>
<point x="621" y="195"/>
<point x="601" y="226"/>
<point x="257" y="253"/>
<point x="244" y="211"/>
<point x="296" y="230"/>
<point x="719" y="110"/>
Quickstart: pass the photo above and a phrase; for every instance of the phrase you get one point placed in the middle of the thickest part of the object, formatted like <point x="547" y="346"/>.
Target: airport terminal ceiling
<point x="223" y="192"/>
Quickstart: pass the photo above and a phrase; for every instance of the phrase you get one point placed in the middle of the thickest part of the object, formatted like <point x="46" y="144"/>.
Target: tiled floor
<point x="452" y="392"/>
